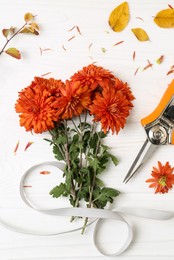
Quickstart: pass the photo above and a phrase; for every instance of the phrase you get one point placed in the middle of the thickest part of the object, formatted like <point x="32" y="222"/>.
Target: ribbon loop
<point x="99" y="215"/>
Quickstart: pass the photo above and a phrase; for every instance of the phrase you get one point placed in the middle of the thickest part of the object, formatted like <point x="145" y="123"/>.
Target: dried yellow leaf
<point x="140" y="34"/>
<point x="34" y="25"/>
<point x="165" y="18"/>
<point x="119" y="17"/>
<point x="28" y="17"/>
<point x="13" y="52"/>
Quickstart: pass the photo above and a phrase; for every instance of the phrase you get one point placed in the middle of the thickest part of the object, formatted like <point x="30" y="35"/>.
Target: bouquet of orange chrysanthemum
<point x="71" y="112"/>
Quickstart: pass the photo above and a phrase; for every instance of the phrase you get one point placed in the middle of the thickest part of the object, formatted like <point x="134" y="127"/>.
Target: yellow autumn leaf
<point x="28" y="17"/>
<point x="165" y="18"/>
<point x="119" y="17"/>
<point x="34" y="25"/>
<point x="140" y="34"/>
<point x="13" y="52"/>
<point x="29" y="29"/>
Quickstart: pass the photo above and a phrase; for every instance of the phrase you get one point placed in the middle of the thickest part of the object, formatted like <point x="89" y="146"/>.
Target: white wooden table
<point x="152" y="238"/>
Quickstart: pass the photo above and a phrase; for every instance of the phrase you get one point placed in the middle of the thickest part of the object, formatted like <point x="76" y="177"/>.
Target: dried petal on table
<point x="16" y="147"/>
<point x="165" y="18"/>
<point x="78" y="30"/>
<point x="135" y="73"/>
<point x="28" y="145"/>
<point x="140" y="34"/>
<point x="45" y="172"/>
<point x="160" y="59"/>
<point x="149" y="65"/>
<point x="140" y="18"/>
<point x="170" y="6"/>
<point x="71" y="38"/>
<point x="117" y="43"/>
<point x="119" y="17"/>
<point x="45" y="74"/>
<point x="133" y="56"/>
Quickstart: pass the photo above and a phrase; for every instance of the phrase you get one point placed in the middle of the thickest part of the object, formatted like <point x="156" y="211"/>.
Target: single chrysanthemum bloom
<point x="111" y="108"/>
<point x="35" y="105"/>
<point x="93" y="76"/>
<point x="73" y="101"/>
<point x="163" y="178"/>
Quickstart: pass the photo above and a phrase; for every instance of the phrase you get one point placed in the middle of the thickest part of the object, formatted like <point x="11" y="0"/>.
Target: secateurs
<point x="159" y="127"/>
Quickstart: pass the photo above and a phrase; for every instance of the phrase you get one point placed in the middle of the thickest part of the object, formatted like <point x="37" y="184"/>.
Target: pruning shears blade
<point x="144" y="154"/>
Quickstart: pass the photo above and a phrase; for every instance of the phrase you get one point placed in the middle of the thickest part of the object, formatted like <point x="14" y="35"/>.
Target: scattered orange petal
<point x="140" y="18"/>
<point x="63" y="47"/>
<point x="136" y="71"/>
<point x="160" y="59"/>
<point x="133" y="56"/>
<point x="42" y="50"/>
<point x="170" y="6"/>
<point x="71" y="38"/>
<point x="46" y="74"/>
<point x="78" y="30"/>
<point x="90" y="46"/>
<point x="148" y="66"/>
<point x="16" y="147"/>
<point x="45" y="172"/>
<point x="117" y="43"/>
<point x="170" y="72"/>
<point x="71" y="29"/>
<point x="28" y="145"/>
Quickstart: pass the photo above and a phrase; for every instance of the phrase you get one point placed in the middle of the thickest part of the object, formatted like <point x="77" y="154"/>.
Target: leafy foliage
<point x="85" y="157"/>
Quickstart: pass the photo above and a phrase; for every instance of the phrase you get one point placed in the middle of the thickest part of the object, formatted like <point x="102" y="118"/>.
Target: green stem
<point x="93" y="184"/>
<point x="68" y="161"/>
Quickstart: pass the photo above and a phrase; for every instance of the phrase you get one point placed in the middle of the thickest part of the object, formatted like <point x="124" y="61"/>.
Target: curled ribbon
<point x="100" y="215"/>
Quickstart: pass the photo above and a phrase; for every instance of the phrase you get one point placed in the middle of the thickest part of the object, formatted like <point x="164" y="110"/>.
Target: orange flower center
<point x="162" y="181"/>
<point x="112" y="108"/>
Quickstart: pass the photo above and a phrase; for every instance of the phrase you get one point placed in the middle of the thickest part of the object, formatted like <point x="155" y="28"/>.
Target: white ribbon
<point x="100" y="214"/>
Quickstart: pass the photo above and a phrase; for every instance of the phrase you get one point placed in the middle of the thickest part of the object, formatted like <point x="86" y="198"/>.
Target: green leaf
<point x="58" y="191"/>
<point x="99" y="182"/>
<point x="94" y="140"/>
<point x="13" y="52"/>
<point x="114" y="159"/>
<point x="108" y="193"/>
<point x="61" y="139"/>
<point x="57" y="153"/>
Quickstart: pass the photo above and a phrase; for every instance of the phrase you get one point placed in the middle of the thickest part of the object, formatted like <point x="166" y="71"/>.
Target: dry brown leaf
<point x="165" y="18"/>
<point x="140" y="34"/>
<point x="119" y="17"/>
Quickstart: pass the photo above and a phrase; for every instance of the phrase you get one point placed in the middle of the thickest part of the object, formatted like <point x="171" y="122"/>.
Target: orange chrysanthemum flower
<point x="163" y="178"/>
<point x="119" y="85"/>
<point x="35" y="105"/>
<point x="111" y="108"/>
<point x="73" y="101"/>
<point x="52" y="85"/>
<point x="93" y="76"/>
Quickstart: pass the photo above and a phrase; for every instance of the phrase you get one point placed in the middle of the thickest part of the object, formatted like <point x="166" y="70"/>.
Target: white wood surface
<point x="152" y="239"/>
